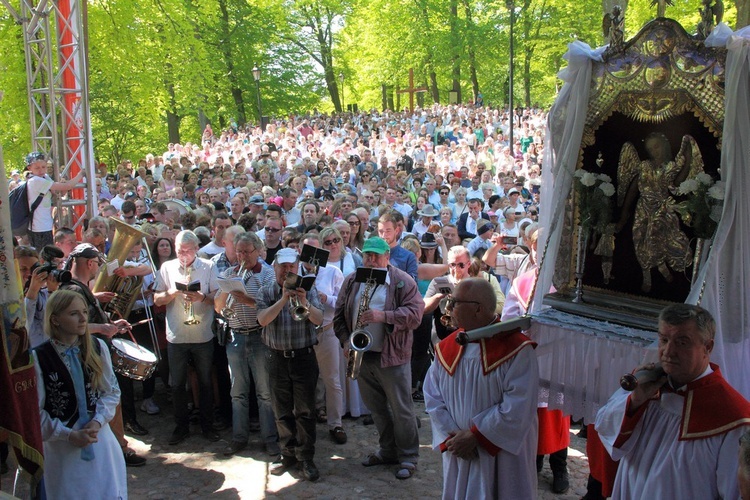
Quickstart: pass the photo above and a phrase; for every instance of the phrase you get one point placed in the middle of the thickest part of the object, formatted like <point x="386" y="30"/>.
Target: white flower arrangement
<point x="594" y="194"/>
<point x="702" y="204"/>
<point x="608" y="188"/>
<point x="717" y="191"/>
<point x="688" y="186"/>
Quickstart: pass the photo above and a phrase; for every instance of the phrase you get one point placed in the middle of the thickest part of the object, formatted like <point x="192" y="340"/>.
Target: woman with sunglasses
<point x="357" y="235"/>
<point x="331" y="239"/>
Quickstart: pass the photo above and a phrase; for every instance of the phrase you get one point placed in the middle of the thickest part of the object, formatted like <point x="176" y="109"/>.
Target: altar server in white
<point x="482" y="402"/>
<point x="678" y="436"/>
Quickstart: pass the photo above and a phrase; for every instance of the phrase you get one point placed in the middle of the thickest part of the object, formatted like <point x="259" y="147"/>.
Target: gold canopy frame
<point x="662" y="80"/>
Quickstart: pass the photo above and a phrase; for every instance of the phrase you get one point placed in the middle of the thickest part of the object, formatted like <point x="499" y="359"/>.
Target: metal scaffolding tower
<point x="55" y="45"/>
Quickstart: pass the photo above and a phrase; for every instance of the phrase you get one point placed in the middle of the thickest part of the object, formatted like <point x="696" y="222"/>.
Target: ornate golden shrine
<point x="661" y="81"/>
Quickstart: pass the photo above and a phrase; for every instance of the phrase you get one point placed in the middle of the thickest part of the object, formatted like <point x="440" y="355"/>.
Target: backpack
<point x="20" y="213"/>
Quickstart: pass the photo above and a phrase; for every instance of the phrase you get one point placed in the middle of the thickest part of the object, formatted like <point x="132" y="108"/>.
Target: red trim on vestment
<point x="494" y="351"/>
<point x="712" y="407"/>
<point x="484" y="442"/>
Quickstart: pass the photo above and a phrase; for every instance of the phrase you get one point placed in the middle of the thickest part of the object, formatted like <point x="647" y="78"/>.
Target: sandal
<point x="376" y="459"/>
<point x="406" y="470"/>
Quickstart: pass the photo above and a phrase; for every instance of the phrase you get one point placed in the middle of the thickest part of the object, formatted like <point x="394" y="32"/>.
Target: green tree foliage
<point x="161" y="69"/>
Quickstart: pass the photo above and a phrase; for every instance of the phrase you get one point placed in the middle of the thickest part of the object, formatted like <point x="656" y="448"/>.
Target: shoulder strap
<point x="37" y="201"/>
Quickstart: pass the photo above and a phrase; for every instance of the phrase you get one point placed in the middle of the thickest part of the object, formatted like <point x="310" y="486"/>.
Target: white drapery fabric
<point x="563" y="138"/>
<point x="726" y="273"/>
<point x="581" y="360"/>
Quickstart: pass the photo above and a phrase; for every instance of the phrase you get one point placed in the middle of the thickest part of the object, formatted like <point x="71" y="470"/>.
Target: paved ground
<point x="197" y="468"/>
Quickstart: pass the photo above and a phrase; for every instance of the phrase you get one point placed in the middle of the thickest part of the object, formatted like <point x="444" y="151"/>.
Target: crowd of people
<point x="438" y="198"/>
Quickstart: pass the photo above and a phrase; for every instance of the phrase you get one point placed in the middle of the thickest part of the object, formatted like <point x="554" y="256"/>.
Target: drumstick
<point x="141" y="322"/>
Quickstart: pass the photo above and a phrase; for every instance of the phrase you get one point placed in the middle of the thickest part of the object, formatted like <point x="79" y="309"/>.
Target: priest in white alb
<point x="482" y="402"/>
<point x="677" y="436"/>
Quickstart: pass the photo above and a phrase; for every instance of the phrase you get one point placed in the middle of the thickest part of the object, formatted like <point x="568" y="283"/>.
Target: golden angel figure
<point x="659" y="242"/>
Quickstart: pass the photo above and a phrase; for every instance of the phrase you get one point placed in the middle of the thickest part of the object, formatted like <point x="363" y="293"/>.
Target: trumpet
<point x="299" y="312"/>
<point x="189" y="312"/>
<point x="360" y="340"/>
<point x="227" y="311"/>
<point x="446" y="319"/>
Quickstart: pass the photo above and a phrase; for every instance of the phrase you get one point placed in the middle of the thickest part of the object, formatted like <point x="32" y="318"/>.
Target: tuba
<point x="360" y="340"/>
<point x="127" y="288"/>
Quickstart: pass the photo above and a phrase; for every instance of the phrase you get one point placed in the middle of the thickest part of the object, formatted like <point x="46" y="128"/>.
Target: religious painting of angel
<point x="647" y="185"/>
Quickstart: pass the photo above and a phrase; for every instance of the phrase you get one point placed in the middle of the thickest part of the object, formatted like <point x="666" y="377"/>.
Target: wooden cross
<point x="411" y="90"/>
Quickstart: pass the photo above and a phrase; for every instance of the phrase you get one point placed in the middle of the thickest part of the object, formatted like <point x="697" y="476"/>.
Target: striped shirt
<point x="283" y="333"/>
<point x="247" y="317"/>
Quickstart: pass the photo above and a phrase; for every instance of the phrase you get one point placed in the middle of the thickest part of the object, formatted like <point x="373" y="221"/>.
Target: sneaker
<point x="338" y="435"/>
<point x="417" y="396"/>
<point x="368" y="420"/>
<point x="133" y="460"/>
<point x="135" y="428"/>
<point x="150" y="407"/>
<point x="179" y="435"/>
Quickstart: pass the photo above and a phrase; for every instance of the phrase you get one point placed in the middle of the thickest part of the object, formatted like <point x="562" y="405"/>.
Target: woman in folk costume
<point x="78" y="394"/>
<point x="554" y="427"/>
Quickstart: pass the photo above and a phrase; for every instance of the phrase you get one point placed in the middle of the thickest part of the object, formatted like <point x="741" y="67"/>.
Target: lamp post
<point x="341" y="79"/>
<point x="256" y="77"/>
<point x="512" y="8"/>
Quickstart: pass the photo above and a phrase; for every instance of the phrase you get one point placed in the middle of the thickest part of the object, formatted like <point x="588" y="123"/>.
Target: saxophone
<point x="360" y="340"/>
<point x="188" y="305"/>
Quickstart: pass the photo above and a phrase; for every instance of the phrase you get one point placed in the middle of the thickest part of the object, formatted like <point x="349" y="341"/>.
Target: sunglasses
<point x="354" y="223"/>
<point x="446" y="193"/>
<point x="334" y="241"/>
<point x="461" y="265"/>
<point x="450" y="302"/>
<point x="272" y="230"/>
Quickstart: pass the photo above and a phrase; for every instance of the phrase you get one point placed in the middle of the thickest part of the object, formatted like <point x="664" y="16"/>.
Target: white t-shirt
<point x="42" y="221"/>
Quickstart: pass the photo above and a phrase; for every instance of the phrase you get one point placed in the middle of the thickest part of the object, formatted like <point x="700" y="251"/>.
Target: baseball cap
<point x="377" y="245"/>
<point x="286" y="256"/>
<point x="256" y="199"/>
<point x="513" y="191"/>
<point x="86" y="251"/>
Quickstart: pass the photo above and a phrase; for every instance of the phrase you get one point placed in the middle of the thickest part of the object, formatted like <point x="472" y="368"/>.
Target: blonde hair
<point x="58" y="302"/>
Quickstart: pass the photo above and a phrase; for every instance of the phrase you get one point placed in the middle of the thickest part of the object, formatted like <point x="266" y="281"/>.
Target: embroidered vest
<point x="60" y="399"/>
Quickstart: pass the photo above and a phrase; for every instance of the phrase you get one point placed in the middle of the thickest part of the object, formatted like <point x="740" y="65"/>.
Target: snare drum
<point x="131" y="360"/>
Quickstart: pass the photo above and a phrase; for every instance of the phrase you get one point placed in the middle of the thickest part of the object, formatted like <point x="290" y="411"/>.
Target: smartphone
<point x="509" y="240"/>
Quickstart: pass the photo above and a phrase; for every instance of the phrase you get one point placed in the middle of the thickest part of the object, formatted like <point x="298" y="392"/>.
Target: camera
<point x="60" y="275"/>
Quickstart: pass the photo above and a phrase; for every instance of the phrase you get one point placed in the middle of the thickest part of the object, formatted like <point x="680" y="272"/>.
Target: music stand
<point x="365" y="274"/>
<point x="317" y="257"/>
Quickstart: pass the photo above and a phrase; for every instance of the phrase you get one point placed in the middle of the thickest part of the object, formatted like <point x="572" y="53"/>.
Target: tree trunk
<point x="743" y="13"/>
<point x="226" y="53"/>
<point x="173" y="118"/>
<point x="430" y="57"/>
<point x="384" y="91"/>
<point x="455" y="55"/>
<point x="471" y="52"/>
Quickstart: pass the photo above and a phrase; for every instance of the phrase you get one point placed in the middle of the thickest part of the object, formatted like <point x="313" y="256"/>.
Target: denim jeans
<point x="248" y="362"/>
<point x="293" y="382"/>
<point x="202" y="356"/>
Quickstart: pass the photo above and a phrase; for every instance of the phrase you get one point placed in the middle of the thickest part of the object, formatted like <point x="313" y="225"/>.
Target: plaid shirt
<point x="283" y="333"/>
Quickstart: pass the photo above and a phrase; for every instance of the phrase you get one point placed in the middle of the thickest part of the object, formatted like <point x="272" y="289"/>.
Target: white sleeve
<point x="506" y="424"/>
